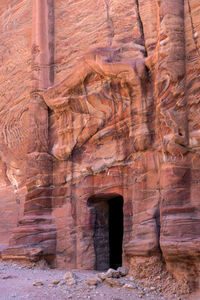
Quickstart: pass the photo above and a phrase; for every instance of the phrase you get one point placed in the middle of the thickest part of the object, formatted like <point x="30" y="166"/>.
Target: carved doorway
<point x="107" y="223"/>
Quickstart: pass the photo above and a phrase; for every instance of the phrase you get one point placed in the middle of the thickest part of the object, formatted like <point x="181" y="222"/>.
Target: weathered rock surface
<point x="114" y="111"/>
<point x="93" y="281"/>
<point x="15" y="83"/>
<point x="70" y="278"/>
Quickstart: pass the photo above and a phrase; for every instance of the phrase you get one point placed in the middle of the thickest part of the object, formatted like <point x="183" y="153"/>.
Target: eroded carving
<point x="176" y="141"/>
<point x="100" y="87"/>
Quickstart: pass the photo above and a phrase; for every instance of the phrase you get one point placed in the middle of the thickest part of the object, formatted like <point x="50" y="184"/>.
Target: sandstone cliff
<point x="113" y="99"/>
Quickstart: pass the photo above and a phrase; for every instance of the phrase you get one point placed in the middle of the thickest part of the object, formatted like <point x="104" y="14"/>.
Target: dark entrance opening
<point x="116" y="231"/>
<point x="107" y="219"/>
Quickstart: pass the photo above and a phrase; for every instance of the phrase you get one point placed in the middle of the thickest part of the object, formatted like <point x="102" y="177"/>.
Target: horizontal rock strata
<point x="109" y="111"/>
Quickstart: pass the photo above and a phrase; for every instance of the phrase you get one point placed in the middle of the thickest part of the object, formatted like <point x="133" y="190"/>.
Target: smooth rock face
<point x="117" y="116"/>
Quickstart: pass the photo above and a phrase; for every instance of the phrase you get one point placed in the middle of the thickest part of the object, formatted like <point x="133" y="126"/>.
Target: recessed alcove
<point x="107" y="224"/>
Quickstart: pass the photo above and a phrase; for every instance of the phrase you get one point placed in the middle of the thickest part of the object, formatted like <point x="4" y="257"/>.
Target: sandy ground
<point x="17" y="282"/>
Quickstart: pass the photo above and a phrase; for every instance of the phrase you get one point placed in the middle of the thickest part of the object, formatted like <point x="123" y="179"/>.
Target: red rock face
<point x="15" y="82"/>
<point x="118" y="116"/>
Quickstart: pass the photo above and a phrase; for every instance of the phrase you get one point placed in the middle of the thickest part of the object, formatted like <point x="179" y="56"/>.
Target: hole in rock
<point x="108" y="230"/>
<point x="180" y="133"/>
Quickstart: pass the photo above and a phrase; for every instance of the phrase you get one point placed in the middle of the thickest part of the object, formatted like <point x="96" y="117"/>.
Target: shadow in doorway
<point x="108" y="230"/>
